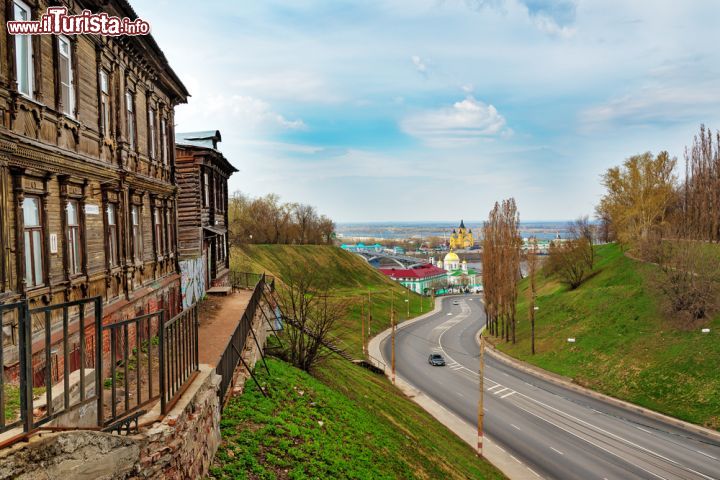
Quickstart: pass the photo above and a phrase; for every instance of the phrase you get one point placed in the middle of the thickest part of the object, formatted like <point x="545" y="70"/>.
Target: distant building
<point x="458" y="272"/>
<point x="203" y="245"/>
<point x="419" y="279"/>
<point x="461" y="238"/>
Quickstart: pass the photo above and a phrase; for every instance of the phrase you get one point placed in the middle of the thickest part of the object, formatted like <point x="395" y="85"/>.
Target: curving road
<point x="557" y="433"/>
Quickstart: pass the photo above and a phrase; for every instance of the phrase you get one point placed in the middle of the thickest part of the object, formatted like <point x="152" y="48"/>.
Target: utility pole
<point x="481" y="407"/>
<point x="362" y="326"/>
<point x="392" y="326"/>
<point x="369" y="331"/>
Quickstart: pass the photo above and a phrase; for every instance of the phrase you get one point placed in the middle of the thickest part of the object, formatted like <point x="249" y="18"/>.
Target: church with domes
<point x="461" y="237"/>
<point x="458" y="272"/>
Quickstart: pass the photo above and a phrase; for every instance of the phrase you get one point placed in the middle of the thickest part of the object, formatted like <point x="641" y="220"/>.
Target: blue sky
<point x="380" y="110"/>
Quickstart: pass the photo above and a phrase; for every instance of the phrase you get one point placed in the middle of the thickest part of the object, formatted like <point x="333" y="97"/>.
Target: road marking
<point x="460" y="394"/>
<point x="706" y="454"/>
<point x="498" y="392"/>
<point x="507" y="394"/>
<point x="449" y="314"/>
<point x="537" y="474"/>
<point x="494" y="387"/>
<point x="607" y="433"/>
<point x="515" y="459"/>
<point x="588" y="441"/>
<point x="556" y="450"/>
<point x="515" y="426"/>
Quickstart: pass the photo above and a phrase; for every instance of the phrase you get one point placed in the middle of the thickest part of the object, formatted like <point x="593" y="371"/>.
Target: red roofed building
<point x="419" y="278"/>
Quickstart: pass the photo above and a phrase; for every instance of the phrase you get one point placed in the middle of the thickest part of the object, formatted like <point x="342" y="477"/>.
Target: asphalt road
<point x="557" y="433"/>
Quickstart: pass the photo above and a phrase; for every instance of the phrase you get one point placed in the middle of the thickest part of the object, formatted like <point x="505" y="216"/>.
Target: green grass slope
<point x="388" y="434"/>
<point x="353" y="278"/>
<point x="625" y="347"/>
<point x="306" y="429"/>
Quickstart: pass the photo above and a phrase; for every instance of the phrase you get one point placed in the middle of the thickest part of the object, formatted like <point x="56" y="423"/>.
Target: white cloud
<point x="244" y="112"/>
<point x="420" y="65"/>
<point x="465" y="122"/>
<point x="287" y="85"/>
<point x="656" y="104"/>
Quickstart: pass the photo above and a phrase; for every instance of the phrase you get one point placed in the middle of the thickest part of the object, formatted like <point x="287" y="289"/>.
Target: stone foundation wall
<point x="180" y="446"/>
<point x="184" y="443"/>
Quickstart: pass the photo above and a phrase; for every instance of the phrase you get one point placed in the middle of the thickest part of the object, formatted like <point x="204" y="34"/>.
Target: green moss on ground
<point x="625" y="346"/>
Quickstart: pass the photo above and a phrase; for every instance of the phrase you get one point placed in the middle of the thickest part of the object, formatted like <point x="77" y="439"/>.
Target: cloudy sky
<point x="434" y="109"/>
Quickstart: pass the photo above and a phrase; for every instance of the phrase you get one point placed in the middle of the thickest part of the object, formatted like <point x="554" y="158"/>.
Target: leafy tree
<point x="569" y="260"/>
<point x="640" y="195"/>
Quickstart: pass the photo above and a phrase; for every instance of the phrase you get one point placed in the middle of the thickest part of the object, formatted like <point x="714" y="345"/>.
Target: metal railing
<point x="134" y="363"/>
<point x="178" y="356"/>
<point x="247" y="280"/>
<point x="232" y="355"/>
<point x="75" y="325"/>
<point x="10" y="317"/>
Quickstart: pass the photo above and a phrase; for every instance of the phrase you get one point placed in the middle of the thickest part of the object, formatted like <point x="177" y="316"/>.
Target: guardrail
<point x="232" y="355"/>
<point x="134" y="362"/>
<point x="11" y="315"/>
<point x="84" y="329"/>
<point x="178" y="356"/>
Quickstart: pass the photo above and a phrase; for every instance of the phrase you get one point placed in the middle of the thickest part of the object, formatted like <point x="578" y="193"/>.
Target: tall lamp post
<point x="481" y="407"/>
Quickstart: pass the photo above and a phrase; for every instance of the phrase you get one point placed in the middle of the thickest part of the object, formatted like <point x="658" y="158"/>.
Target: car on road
<point x="436" y="360"/>
<point x="456" y="302"/>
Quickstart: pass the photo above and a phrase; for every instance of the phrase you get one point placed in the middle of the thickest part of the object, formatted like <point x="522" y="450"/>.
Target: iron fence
<point x="10" y="317"/>
<point x="62" y="326"/>
<point x="246" y="280"/>
<point x="178" y="356"/>
<point x="232" y="355"/>
<point x="134" y="364"/>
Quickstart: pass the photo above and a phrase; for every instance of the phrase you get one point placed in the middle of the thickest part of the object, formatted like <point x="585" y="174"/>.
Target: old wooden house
<point x="203" y="244"/>
<point x="87" y="191"/>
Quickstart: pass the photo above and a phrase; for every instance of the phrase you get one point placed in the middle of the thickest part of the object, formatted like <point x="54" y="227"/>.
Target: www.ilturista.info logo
<point x="56" y="21"/>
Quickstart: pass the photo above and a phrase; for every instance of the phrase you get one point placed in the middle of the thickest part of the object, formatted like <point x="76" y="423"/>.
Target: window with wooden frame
<point x="136" y="225"/>
<point x="73" y="233"/>
<point x="33" y="240"/>
<point x="105" y="103"/>
<point x="159" y="238"/>
<point x="112" y="235"/>
<point x="24" y="70"/>
<point x="65" y="76"/>
<point x="151" y="133"/>
<point x="130" y="113"/>
<point x="169" y="230"/>
<point x="163" y="141"/>
<point x="206" y="189"/>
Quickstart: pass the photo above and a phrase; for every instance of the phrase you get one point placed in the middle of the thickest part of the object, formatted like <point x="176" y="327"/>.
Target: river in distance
<point x="419" y="230"/>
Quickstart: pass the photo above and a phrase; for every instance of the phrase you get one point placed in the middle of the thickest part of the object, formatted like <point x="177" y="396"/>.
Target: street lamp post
<point x="481" y="407"/>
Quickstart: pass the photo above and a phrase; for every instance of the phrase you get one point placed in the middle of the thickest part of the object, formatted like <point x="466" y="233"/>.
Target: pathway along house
<point x="203" y="245"/>
<point x="87" y="192"/>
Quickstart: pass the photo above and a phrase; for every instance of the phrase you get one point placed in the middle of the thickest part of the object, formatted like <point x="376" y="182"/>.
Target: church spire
<point x="462" y="224"/>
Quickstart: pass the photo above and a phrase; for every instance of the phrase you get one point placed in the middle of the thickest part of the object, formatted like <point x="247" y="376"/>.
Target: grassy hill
<point x="625" y="347"/>
<point x="308" y="429"/>
<point x="350" y="275"/>
<point x="370" y="429"/>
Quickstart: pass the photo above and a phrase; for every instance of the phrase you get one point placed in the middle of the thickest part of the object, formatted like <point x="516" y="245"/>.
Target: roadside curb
<point x="568" y="383"/>
<point x="492" y="452"/>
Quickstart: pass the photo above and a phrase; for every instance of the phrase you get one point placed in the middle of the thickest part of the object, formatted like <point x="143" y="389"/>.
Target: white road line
<point x="706" y="454"/>
<point x="494" y="387"/>
<point x="498" y="392"/>
<point x="507" y="394"/>
<point x="537" y="474"/>
<point x="514" y="426"/>
<point x="588" y="441"/>
<point x="610" y="434"/>
<point x="556" y="450"/>
<point x="515" y="459"/>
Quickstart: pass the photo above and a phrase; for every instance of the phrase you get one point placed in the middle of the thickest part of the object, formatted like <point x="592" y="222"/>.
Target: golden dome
<point x="451" y="257"/>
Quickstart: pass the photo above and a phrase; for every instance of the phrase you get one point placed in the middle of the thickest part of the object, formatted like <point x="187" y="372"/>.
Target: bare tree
<point x="582" y="228"/>
<point x="688" y="281"/>
<point x="569" y="261"/>
<point x="312" y="311"/>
